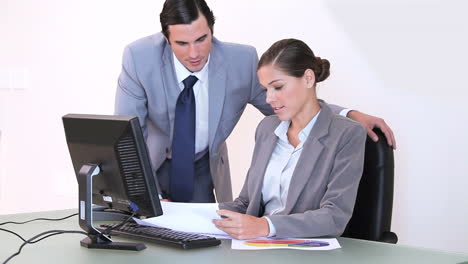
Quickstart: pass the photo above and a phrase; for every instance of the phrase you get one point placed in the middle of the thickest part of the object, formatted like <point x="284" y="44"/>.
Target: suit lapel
<point x="216" y="90"/>
<point x="170" y="86"/>
<point x="258" y="169"/>
<point x="307" y="161"/>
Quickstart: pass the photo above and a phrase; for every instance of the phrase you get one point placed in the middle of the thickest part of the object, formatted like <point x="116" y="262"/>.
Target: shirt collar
<point x="282" y="130"/>
<point x="182" y="72"/>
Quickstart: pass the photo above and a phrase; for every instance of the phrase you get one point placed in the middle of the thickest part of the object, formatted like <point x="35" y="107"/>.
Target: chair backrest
<point x="372" y="215"/>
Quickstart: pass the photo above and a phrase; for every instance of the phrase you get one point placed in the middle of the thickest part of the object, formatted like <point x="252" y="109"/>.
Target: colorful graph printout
<point x="286" y="243"/>
<point x="289" y="243"/>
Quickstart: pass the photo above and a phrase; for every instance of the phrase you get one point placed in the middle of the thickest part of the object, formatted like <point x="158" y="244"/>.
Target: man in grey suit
<point x="154" y="76"/>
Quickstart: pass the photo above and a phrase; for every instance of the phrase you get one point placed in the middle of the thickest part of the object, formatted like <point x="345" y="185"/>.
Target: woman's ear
<point x="309" y="76"/>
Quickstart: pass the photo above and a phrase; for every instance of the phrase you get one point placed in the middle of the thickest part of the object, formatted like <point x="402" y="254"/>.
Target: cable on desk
<point x="11" y="232"/>
<point x="37" y="219"/>
<point x="38" y="238"/>
<point x="50" y="233"/>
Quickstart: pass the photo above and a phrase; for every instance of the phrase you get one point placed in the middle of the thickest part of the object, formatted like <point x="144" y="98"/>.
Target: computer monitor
<point x="112" y="166"/>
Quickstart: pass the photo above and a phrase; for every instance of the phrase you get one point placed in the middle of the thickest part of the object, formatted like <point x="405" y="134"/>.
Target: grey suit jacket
<point x="324" y="184"/>
<point x="147" y="88"/>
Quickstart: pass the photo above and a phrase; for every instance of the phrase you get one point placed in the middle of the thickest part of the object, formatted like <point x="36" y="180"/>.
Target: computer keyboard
<point x="161" y="235"/>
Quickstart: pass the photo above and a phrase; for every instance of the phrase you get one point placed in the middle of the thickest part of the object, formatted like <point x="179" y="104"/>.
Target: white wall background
<point x="401" y="60"/>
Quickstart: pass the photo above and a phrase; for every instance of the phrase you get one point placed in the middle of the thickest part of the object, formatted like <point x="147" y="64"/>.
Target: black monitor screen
<point x="116" y="145"/>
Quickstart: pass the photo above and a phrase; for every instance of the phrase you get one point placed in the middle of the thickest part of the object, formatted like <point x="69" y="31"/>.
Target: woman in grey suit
<point x="307" y="161"/>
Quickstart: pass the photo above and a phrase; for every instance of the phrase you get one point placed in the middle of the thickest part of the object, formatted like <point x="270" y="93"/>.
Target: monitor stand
<point x="95" y="238"/>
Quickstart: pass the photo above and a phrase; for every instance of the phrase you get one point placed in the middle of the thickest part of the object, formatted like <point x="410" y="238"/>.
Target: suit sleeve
<point x="257" y="94"/>
<point x="337" y="204"/>
<point x="130" y="97"/>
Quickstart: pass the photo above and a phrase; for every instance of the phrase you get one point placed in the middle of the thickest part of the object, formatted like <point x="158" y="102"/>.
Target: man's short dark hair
<point x="176" y="12"/>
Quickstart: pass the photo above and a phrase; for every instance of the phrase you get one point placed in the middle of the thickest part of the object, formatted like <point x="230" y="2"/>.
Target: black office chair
<point x="372" y="216"/>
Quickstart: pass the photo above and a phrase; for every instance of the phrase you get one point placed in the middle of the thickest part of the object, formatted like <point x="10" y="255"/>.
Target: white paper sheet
<point x="187" y="217"/>
<point x="287" y="243"/>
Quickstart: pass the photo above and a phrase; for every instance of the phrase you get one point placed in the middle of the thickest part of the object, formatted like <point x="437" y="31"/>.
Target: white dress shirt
<point x="200" y="90"/>
<point x="345" y="112"/>
<point x="280" y="169"/>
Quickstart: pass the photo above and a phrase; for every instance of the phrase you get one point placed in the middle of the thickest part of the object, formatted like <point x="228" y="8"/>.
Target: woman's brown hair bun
<point x="294" y="57"/>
